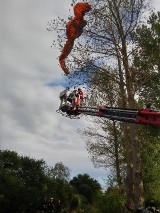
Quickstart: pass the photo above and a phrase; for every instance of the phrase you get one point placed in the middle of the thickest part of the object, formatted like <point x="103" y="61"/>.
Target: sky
<point x="29" y="123"/>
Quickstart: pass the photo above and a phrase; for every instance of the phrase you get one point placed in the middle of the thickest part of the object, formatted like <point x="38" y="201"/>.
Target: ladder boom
<point x="141" y="116"/>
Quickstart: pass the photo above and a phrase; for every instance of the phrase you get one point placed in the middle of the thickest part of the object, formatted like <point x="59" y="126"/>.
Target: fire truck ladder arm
<point x="141" y="116"/>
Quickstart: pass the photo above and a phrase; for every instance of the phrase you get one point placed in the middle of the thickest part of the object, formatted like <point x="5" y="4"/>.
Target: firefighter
<point x="63" y="96"/>
<point x="72" y="96"/>
<point x="80" y="92"/>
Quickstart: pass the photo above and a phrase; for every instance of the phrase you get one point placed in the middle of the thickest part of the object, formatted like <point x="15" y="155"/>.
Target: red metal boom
<point x="139" y="116"/>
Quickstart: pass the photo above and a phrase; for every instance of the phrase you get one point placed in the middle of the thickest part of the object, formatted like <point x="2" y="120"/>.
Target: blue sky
<point x="31" y="80"/>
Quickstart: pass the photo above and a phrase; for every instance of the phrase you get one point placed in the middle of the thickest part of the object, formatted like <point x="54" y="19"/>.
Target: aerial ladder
<point x="146" y="116"/>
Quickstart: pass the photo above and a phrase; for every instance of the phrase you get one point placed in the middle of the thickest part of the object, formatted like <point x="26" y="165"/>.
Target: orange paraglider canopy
<point x="74" y="29"/>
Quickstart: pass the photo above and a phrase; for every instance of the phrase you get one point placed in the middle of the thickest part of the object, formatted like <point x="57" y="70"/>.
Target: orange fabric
<point x="74" y="29"/>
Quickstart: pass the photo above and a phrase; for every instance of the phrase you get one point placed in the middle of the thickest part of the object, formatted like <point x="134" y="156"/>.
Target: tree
<point x="23" y="181"/>
<point x="150" y="162"/>
<point x="86" y="186"/>
<point x="75" y="203"/>
<point x="58" y="183"/>
<point x="105" y="141"/>
<point x="105" y="148"/>
<point x="147" y="75"/>
<point x="146" y="60"/>
<point x="59" y="171"/>
<point x="112" y="200"/>
<point x="107" y="43"/>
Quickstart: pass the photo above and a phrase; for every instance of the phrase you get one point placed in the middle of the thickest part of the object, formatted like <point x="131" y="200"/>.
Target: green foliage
<point x="150" y="149"/>
<point x="146" y="60"/>
<point x="59" y="171"/>
<point x="147" y="63"/>
<point x="86" y="186"/>
<point x="112" y="201"/>
<point x="24" y="183"/>
<point x="75" y="202"/>
<point x="22" y="179"/>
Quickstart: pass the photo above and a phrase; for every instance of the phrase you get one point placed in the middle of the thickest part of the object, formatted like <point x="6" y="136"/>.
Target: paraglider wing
<point x="74" y="29"/>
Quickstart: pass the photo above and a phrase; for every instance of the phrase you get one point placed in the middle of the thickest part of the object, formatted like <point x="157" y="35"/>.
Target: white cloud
<point x="156" y="5"/>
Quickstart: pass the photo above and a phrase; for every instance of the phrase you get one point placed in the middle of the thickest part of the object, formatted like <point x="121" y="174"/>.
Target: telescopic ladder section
<point x="138" y="116"/>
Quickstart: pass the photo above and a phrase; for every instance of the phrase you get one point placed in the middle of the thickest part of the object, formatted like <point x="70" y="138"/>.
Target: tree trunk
<point x="127" y="145"/>
<point x="118" y="173"/>
<point x="137" y="170"/>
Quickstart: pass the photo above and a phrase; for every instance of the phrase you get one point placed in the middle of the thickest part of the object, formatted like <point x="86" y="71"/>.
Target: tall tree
<point x="147" y="81"/>
<point x="86" y="186"/>
<point x="146" y="60"/>
<point x="59" y="171"/>
<point x="108" y="42"/>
